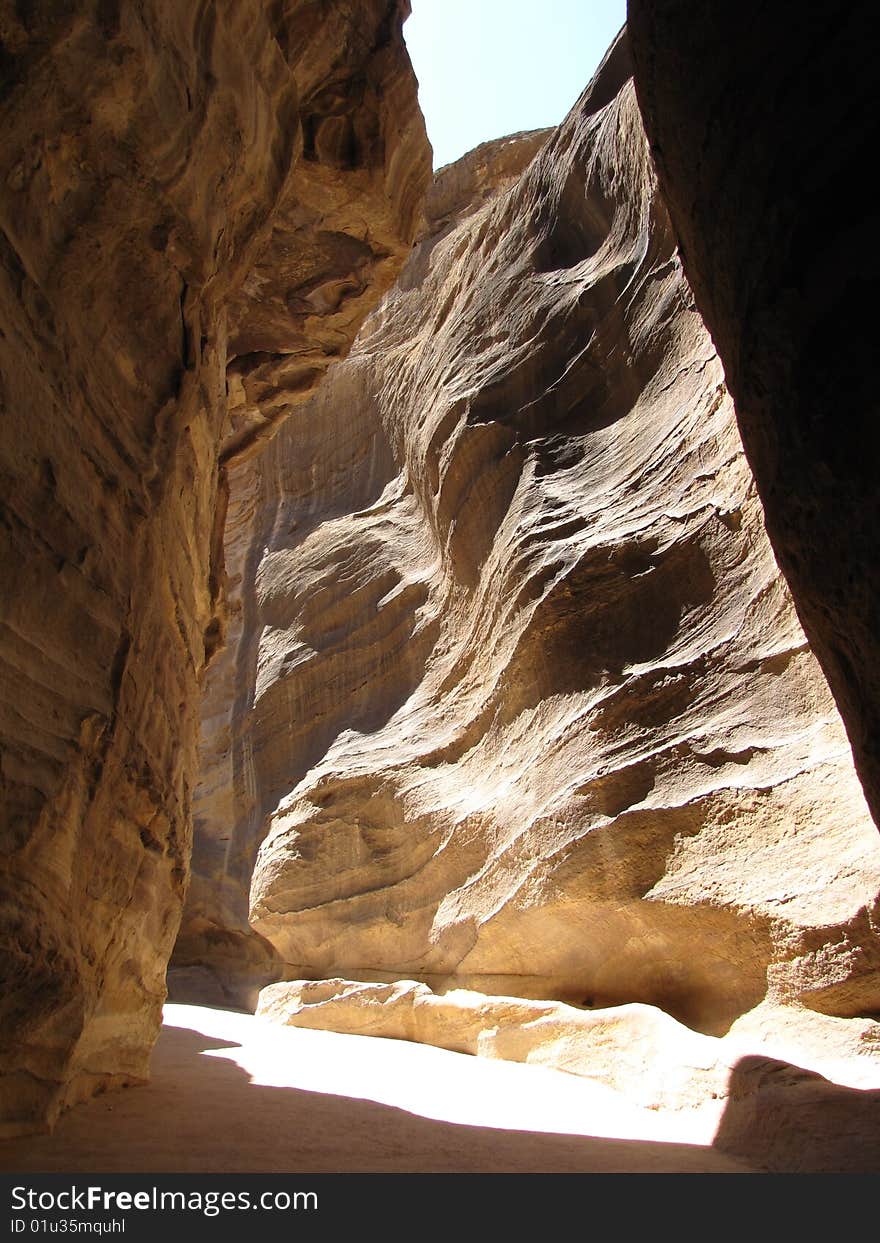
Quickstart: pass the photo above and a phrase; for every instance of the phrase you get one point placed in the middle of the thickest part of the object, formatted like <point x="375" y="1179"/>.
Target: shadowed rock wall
<point x="762" y="121"/>
<point x="181" y="187"/>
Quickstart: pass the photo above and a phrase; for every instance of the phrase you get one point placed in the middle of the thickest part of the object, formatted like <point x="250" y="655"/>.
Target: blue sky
<point x="491" y="67"/>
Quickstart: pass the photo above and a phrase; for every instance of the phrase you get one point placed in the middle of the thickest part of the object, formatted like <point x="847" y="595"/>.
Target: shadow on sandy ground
<point x="780" y="1117"/>
<point x="203" y="1114"/>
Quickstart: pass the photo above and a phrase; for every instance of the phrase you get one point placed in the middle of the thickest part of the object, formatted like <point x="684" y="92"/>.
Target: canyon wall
<point x="504" y="689"/>
<point x="516" y="699"/>
<point x="193" y="198"/>
<point x="762" y="120"/>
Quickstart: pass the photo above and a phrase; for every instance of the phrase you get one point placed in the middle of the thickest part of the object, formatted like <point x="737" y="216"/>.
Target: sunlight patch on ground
<point x="435" y="1083"/>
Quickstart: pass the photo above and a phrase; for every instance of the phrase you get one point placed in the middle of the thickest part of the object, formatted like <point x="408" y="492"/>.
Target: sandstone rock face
<point x="182" y="188"/>
<point x="459" y="189"/>
<point x="765" y="194"/>
<point x="519" y="700"/>
<point x="218" y="956"/>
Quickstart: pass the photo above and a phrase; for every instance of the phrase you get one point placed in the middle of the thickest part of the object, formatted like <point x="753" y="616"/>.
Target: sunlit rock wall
<point x="521" y="700"/>
<point x="170" y="176"/>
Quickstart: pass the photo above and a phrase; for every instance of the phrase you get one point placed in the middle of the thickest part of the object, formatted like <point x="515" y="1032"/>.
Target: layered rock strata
<point x="762" y="122"/>
<point x="218" y="958"/>
<point x="192" y="197"/>
<point x="519" y="699"/>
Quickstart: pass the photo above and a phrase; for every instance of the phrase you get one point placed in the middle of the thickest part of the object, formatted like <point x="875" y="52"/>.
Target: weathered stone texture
<point x="505" y="690"/>
<point x="151" y="154"/>
<point x="521" y="702"/>
<point x="763" y="121"/>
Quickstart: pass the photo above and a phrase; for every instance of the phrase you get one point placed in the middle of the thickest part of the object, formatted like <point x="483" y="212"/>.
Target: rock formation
<point x="324" y="447"/>
<point x="819" y="1112"/>
<point x="516" y="698"/>
<point x="509" y="726"/>
<point x="192" y="198"/>
<point x="762" y="121"/>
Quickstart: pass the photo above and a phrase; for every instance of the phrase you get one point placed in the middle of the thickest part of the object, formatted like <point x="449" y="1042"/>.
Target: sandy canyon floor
<point x="231" y="1093"/>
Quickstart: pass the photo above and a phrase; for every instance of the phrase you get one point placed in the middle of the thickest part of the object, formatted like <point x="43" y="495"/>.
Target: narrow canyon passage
<point x="231" y="1095"/>
<point x="395" y="659"/>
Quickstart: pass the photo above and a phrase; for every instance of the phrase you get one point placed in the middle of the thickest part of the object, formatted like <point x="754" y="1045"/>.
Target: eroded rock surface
<point x="635" y="1049"/>
<point x="182" y="187"/>
<point x="520" y="701"/>
<point x="218" y="955"/>
<point x="766" y="195"/>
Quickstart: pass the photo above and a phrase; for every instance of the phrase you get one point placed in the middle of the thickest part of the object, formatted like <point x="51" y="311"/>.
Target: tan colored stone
<point x="513" y="695"/>
<point x="463" y="187"/>
<point x="635" y="1049"/>
<point x="150" y="160"/>
<point x="520" y="700"/>
<point x="231" y="1093"/>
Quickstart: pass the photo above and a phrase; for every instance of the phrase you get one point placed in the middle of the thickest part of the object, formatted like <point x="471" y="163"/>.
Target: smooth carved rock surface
<point x="171" y="176"/>
<point x="764" y="194"/>
<point x="459" y="189"/>
<point x="791" y="1090"/>
<point x="218" y="956"/>
<point x="520" y="699"/>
